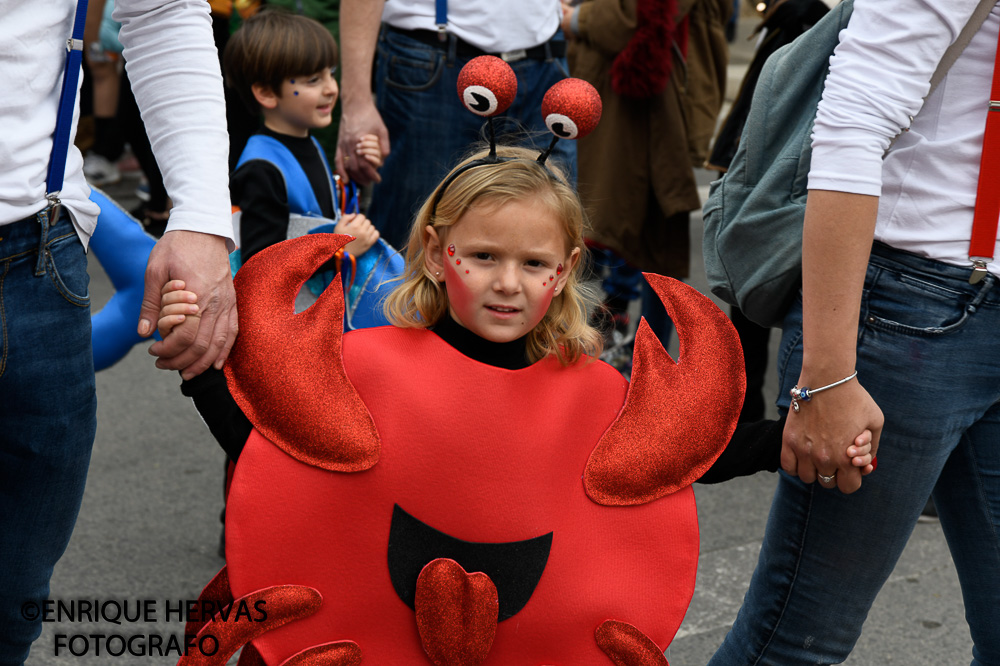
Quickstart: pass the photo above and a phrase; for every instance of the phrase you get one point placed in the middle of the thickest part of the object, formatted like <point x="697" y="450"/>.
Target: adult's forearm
<point x="174" y="70"/>
<point x="836" y="242"/>
<point x="359" y="26"/>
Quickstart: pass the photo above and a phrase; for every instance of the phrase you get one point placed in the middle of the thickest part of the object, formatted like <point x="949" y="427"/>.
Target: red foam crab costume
<point x="401" y="504"/>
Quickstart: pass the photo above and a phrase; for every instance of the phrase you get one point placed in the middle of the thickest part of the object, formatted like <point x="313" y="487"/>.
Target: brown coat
<point x="635" y="170"/>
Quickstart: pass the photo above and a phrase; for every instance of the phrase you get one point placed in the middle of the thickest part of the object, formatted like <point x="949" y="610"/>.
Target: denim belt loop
<point x="45" y="223"/>
<point x="984" y="288"/>
<point x="548" y="51"/>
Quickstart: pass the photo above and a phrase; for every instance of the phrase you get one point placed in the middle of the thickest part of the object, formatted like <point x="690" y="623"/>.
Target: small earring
<point x="437" y="272"/>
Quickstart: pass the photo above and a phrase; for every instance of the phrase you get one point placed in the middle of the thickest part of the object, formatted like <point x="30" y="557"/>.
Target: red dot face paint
<point x="501" y="284"/>
<point x="559" y="269"/>
<point x="460" y="294"/>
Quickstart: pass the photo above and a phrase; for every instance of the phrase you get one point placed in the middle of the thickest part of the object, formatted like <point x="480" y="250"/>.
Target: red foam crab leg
<point x="282" y="603"/>
<point x="456" y="613"/>
<point x="286" y="372"/>
<point x="627" y="646"/>
<point x="340" y="653"/>
<point x="677" y="417"/>
<point x="217" y="591"/>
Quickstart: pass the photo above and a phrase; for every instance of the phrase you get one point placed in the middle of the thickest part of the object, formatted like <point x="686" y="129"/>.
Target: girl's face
<point x="501" y="267"/>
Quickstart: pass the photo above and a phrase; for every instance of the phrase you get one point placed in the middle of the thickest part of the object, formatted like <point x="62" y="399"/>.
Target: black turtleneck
<point x="508" y="355"/>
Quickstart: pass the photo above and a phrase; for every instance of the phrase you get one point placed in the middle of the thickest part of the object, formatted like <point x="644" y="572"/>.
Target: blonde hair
<point x="421" y="301"/>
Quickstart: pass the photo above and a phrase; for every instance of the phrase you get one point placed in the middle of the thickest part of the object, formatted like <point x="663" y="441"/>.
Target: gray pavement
<point x="149" y="528"/>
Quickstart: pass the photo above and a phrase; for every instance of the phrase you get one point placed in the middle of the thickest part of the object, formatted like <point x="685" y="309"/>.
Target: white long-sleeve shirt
<point x="879" y="75"/>
<point x="492" y="26"/>
<point x="173" y="66"/>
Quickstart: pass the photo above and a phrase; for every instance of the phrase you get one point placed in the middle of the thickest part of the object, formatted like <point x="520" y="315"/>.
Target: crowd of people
<point x="523" y="256"/>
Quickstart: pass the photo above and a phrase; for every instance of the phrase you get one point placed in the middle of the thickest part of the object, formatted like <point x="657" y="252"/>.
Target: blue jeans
<point x="619" y="279"/>
<point x="929" y="354"/>
<point x="430" y="131"/>
<point x="48" y="412"/>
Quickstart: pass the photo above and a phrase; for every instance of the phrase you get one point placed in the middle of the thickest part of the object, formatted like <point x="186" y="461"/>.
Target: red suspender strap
<point x="987" y="214"/>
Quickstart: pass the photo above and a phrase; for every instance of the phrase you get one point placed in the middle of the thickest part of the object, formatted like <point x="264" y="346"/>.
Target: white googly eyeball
<point x="562" y="126"/>
<point x="480" y="100"/>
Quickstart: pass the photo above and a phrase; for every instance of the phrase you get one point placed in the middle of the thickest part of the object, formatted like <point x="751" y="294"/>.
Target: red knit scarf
<point x="643" y="68"/>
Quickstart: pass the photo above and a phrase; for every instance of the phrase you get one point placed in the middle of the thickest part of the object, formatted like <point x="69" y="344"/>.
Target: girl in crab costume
<point x="469" y="486"/>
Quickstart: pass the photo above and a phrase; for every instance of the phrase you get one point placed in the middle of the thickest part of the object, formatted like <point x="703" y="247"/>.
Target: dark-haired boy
<point x="281" y="64"/>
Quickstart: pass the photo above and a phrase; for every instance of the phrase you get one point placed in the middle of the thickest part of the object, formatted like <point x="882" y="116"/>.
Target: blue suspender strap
<point x="67" y="102"/>
<point x="441" y="18"/>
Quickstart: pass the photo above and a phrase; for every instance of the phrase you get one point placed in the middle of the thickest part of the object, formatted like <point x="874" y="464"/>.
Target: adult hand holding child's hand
<point x="202" y="262"/>
<point x="817" y="439"/>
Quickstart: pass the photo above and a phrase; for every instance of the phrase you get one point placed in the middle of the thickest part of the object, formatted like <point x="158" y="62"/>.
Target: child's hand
<point x="176" y="305"/>
<point x="368" y="149"/>
<point x="364" y="232"/>
<point x="860" y="453"/>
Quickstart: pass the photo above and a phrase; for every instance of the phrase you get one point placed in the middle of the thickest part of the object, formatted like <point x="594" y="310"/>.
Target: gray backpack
<point x="753" y="215"/>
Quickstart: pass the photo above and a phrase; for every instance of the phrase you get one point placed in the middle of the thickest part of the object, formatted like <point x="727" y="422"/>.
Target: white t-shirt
<point x="879" y="75"/>
<point x="492" y="26"/>
<point x="173" y="66"/>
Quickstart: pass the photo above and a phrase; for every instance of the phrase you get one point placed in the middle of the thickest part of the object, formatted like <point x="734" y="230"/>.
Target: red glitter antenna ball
<point x="487" y="86"/>
<point x="571" y="109"/>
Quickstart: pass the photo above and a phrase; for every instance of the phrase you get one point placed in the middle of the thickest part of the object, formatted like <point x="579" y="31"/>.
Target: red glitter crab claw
<point x="677" y="417"/>
<point x="241" y="622"/>
<point x="315" y="415"/>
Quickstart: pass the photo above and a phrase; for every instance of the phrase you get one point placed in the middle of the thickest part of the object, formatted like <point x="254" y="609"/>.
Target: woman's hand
<point x="817" y="438"/>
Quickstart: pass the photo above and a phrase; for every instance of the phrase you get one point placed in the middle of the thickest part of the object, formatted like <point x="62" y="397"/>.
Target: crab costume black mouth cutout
<point x="514" y="567"/>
